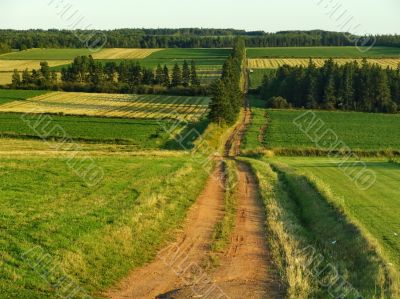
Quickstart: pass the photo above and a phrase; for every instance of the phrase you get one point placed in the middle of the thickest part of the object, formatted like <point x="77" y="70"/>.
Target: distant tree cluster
<point x="85" y="69"/>
<point x="227" y="92"/>
<point x="353" y="86"/>
<point x="43" y="78"/>
<point x="184" y="38"/>
<point x="86" y="74"/>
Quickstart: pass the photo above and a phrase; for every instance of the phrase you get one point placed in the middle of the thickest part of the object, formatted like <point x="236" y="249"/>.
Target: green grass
<point x="9" y="95"/>
<point x="95" y="236"/>
<point x="145" y="134"/>
<point x="224" y="228"/>
<point x="173" y="53"/>
<point x="359" y="131"/>
<point x="47" y="54"/>
<point x="322" y="52"/>
<point x="304" y="212"/>
<point x="257" y="75"/>
<point x="253" y="139"/>
<point x="376" y="210"/>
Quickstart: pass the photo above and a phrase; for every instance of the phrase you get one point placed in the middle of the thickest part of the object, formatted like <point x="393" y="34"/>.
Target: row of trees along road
<point x="227" y="92"/>
<point x="110" y="75"/>
<point x="358" y="87"/>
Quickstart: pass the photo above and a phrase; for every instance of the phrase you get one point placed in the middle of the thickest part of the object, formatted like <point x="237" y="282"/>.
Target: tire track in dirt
<point x="160" y="276"/>
<point x="246" y="270"/>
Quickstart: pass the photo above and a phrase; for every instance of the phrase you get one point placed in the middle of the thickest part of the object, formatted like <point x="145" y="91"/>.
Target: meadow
<point x="323" y="52"/>
<point x="114" y="105"/>
<point x="9" y="95"/>
<point x="46" y="54"/>
<point x="143" y="134"/>
<point x="256" y="77"/>
<point x="282" y="133"/>
<point x="312" y="211"/>
<point x="93" y="236"/>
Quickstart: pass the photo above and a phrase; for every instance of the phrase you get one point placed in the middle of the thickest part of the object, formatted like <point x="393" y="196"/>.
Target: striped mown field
<point x="120" y="53"/>
<point x="114" y="105"/>
<point x="273" y="63"/>
<point x="20" y="65"/>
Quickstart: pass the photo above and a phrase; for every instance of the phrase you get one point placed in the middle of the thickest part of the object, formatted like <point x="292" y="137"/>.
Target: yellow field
<point x="5" y="78"/>
<point x="117" y="53"/>
<point x="273" y="63"/>
<point x="20" y="65"/>
<point x="113" y="105"/>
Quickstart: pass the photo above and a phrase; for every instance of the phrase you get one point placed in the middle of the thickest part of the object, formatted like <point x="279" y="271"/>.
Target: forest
<point x="361" y="87"/>
<point x="182" y="38"/>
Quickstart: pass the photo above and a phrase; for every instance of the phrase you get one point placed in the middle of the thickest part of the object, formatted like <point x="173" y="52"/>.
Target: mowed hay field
<point x="120" y="53"/>
<point x="191" y="109"/>
<point x="324" y="52"/>
<point x="6" y="78"/>
<point x="274" y="63"/>
<point x="91" y="237"/>
<point x="20" y="65"/>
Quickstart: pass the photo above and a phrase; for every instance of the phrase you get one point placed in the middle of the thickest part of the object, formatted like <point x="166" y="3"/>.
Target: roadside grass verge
<point x="310" y="232"/>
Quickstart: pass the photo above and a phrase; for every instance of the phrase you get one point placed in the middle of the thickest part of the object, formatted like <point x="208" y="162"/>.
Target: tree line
<point x="182" y="38"/>
<point x="87" y="74"/>
<point x="353" y="86"/>
<point x="227" y="93"/>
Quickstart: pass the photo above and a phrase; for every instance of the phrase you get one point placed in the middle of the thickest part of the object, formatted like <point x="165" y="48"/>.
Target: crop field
<point x="191" y="109"/>
<point x="143" y="134"/>
<point x="93" y="235"/>
<point x="20" y="65"/>
<point x="6" y="78"/>
<point x="281" y="131"/>
<point x="274" y="63"/>
<point x="46" y="54"/>
<point x="376" y="208"/>
<point x="323" y="52"/>
<point x="9" y="95"/>
<point x="191" y="54"/>
<point x="119" y="53"/>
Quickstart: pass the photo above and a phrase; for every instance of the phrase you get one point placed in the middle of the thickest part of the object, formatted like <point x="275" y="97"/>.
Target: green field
<point x="94" y="236"/>
<point x="191" y="54"/>
<point x="47" y="54"/>
<point x="376" y="208"/>
<point x="9" y="95"/>
<point x="257" y="75"/>
<point x="312" y="202"/>
<point x="322" y="52"/>
<point x="359" y="131"/>
<point x="145" y="134"/>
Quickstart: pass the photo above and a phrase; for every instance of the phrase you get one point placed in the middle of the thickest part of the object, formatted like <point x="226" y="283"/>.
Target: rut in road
<point x="162" y="275"/>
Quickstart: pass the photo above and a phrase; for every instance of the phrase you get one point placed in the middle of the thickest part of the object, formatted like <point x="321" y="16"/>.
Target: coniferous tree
<point x="159" y="78"/>
<point x="194" y="80"/>
<point x="166" y="77"/>
<point x="185" y="74"/>
<point x="16" y="79"/>
<point x="176" y="76"/>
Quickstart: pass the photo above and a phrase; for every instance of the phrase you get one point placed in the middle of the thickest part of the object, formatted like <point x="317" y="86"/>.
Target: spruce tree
<point x="166" y="78"/>
<point x="176" y="76"/>
<point x="159" y="79"/>
<point x="16" y="79"/>
<point x="194" y="80"/>
<point x="185" y="74"/>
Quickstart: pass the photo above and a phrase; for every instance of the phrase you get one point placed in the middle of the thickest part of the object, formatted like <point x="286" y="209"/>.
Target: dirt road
<point x="163" y="274"/>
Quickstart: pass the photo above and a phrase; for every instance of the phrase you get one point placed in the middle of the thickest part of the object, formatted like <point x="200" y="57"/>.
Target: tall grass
<point x="301" y="212"/>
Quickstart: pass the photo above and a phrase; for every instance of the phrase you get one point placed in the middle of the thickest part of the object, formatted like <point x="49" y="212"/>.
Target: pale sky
<point x="356" y="16"/>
